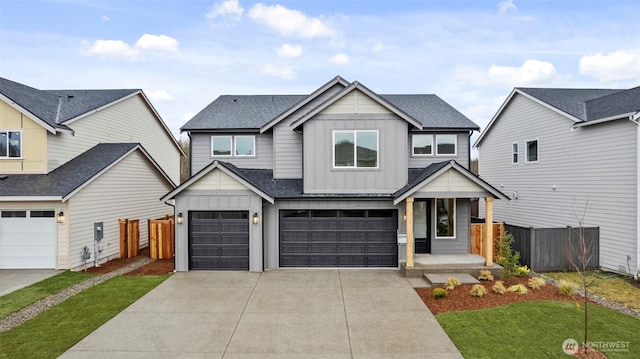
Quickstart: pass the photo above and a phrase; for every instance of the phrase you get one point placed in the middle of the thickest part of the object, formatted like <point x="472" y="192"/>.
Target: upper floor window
<point x="227" y="146"/>
<point x="423" y="145"/>
<point x="10" y="144"/>
<point x="532" y="151"/>
<point x="355" y="149"/>
<point x="514" y="152"/>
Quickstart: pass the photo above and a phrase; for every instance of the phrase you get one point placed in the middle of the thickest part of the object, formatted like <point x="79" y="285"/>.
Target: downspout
<point x="636" y="119"/>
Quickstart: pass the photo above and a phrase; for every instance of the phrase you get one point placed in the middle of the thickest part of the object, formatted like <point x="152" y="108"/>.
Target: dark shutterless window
<point x="11" y="144"/>
<point x="13" y="214"/>
<point x="422" y="145"/>
<point x="446" y="144"/>
<point x="532" y="151"/>
<point x="42" y="214"/>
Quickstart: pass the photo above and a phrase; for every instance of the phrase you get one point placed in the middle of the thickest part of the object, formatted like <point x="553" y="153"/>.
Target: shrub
<point x="439" y="293"/>
<point x="507" y="257"/>
<point x="451" y="283"/>
<point x="478" y="290"/>
<point x="566" y="288"/>
<point x="485" y="275"/>
<point x="536" y="283"/>
<point x="518" y="288"/>
<point x="499" y="288"/>
<point x="522" y="271"/>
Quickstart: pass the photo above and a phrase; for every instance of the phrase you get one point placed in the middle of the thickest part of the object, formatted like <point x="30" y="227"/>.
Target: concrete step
<point x="418" y="270"/>
<point x="437" y="279"/>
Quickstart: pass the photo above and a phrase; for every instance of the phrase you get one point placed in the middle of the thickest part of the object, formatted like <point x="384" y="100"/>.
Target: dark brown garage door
<point x="219" y="240"/>
<point x="338" y="238"/>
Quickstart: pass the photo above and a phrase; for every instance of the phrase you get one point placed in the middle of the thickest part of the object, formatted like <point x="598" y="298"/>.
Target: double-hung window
<point x="238" y="146"/>
<point x="10" y="144"/>
<point x="514" y="153"/>
<point x="355" y="149"/>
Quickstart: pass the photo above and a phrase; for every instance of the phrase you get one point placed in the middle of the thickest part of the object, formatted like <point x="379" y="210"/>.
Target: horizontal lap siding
<point x="595" y="163"/>
<point x="201" y="153"/>
<point x="130" y="120"/>
<point x="131" y="189"/>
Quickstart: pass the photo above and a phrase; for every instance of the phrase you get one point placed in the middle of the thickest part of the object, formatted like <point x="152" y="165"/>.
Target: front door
<point x="422" y="225"/>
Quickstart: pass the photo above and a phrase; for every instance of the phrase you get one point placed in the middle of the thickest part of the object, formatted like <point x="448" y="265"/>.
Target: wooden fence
<point x="162" y="238"/>
<point x="477" y="237"/>
<point x="546" y="249"/>
<point x="129" y="237"/>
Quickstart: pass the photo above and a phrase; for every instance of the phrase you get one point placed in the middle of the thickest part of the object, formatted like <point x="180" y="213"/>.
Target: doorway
<point x="422" y="225"/>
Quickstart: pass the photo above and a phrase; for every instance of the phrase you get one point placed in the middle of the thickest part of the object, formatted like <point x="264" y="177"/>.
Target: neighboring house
<point x="555" y="151"/>
<point x="323" y="180"/>
<point x="73" y="158"/>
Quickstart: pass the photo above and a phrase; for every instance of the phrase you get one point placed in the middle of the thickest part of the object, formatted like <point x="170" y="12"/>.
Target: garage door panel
<point x="293" y="224"/>
<point x="323" y="225"/>
<point x="323" y="236"/>
<point x="352" y="248"/>
<point x="293" y="248"/>
<point x="353" y="225"/>
<point x="27" y="239"/>
<point x="323" y="261"/>
<point x="353" y="237"/>
<point x="353" y="261"/>
<point x="324" y="248"/>
<point x="219" y="240"/>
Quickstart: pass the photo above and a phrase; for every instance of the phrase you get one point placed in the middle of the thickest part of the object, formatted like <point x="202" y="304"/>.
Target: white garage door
<point x="27" y="239"/>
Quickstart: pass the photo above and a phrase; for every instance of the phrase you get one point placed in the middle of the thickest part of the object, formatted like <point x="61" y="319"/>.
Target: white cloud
<point x="289" y="51"/>
<point x="228" y="8"/>
<point x="159" y="96"/>
<point x="289" y="22"/>
<point x="157" y="43"/>
<point x="617" y="65"/>
<point x="105" y="18"/>
<point x="187" y="116"/>
<point x="114" y="49"/>
<point x="339" y="59"/>
<point x="505" y="6"/>
<point x="283" y="72"/>
<point x="531" y="72"/>
<point x="377" y="46"/>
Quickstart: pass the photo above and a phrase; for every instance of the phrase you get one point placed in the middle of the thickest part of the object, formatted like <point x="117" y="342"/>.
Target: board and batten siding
<point x="460" y="244"/>
<point x="129" y="190"/>
<point x="128" y="121"/>
<point x="201" y="152"/>
<point x="287" y="145"/>
<point x="34" y="142"/>
<point x="461" y="156"/>
<point x="594" y="164"/>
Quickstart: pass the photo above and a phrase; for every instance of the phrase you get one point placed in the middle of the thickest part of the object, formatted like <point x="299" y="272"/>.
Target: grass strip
<point x="23" y="297"/>
<point x="537" y="330"/>
<point x="56" y="330"/>
<point x="606" y="285"/>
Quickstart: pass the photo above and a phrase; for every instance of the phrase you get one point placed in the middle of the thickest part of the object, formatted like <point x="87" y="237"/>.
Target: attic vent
<point x="235" y="100"/>
<point x="69" y="97"/>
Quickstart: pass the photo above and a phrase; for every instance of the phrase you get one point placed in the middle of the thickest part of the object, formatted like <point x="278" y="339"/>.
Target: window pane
<point x="367" y="148"/>
<point x="532" y="151"/>
<point x="3" y="144"/>
<point x="221" y="145"/>
<point x="245" y="145"/>
<point x="14" y="214"/>
<point x="446" y="144"/>
<point x="445" y="216"/>
<point x="14" y="144"/>
<point x="343" y="149"/>
<point x="422" y="144"/>
<point x="353" y="213"/>
<point x="515" y="152"/>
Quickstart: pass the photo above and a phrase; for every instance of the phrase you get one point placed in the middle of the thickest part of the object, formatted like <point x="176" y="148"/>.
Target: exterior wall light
<point x="180" y="218"/>
<point x="60" y="217"/>
<point x="404" y="218"/>
<point x="255" y="218"/>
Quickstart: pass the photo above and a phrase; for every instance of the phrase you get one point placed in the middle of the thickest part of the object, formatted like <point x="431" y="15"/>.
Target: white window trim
<point x="355" y="152"/>
<point x="21" y="147"/>
<point x="515" y="153"/>
<point x="455" y="144"/>
<point x="526" y="150"/>
<point x="414" y="154"/>
<point x="455" y="218"/>
<point x="235" y="143"/>
<point x="231" y="149"/>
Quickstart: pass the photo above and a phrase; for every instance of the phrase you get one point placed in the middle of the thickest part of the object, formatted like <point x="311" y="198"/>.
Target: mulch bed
<point x="157" y="267"/>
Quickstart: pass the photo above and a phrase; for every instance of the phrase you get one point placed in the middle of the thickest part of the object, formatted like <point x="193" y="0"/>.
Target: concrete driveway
<point x="278" y="314"/>
<point x="14" y="279"/>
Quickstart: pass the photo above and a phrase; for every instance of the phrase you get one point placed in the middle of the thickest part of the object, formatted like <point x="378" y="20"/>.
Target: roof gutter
<point x="629" y="115"/>
<point x="29" y="198"/>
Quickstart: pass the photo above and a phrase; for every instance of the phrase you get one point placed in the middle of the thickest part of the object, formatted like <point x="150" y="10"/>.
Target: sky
<point x="184" y="54"/>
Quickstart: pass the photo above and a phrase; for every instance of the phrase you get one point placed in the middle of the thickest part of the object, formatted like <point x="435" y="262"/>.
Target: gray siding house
<point x="328" y="179"/>
<point x="555" y="151"/>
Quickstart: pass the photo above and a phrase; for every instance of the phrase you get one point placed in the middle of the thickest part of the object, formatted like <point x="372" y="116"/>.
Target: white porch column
<point x="488" y="239"/>
<point x="409" y="225"/>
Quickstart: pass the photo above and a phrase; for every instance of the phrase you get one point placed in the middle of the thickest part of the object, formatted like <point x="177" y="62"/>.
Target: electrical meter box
<point x="98" y="231"/>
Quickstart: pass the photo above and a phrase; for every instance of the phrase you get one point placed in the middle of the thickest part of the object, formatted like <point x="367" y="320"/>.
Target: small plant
<point x="485" y="275"/>
<point x="439" y="293"/>
<point x="451" y="283"/>
<point x="536" y="283"/>
<point x="518" y="288"/>
<point x="478" y="290"/>
<point x="566" y="288"/>
<point x="522" y="271"/>
<point x="499" y="288"/>
<point x="507" y="257"/>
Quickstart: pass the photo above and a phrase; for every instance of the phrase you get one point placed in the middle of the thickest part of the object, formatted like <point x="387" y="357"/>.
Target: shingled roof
<point x="55" y="107"/>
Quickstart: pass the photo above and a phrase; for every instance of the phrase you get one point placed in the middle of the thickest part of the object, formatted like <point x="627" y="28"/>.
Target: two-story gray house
<point x="328" y="179"/>
<point x="555" y="151"/>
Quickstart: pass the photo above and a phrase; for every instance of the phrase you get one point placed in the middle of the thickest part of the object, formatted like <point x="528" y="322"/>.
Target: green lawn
<point x="537" y="330"/>
<point x="611" y="286"/>
<point x="54" y="331"/>
<point x="23" y="297"/>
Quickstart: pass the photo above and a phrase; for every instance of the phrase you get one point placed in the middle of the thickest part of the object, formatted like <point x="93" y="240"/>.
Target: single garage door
<point x="338" y="238"/>
<point x="27" y="239"/>
<point x="219" y="240"/>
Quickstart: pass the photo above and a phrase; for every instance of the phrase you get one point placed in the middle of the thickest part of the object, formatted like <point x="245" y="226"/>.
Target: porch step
<point x="437" y="279"/>
<point x="419" y="270"/>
